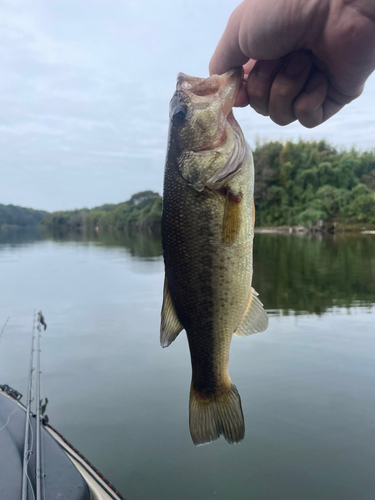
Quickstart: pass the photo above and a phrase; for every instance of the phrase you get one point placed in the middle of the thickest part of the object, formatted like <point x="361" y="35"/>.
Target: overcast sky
<point x="84" y="93"/>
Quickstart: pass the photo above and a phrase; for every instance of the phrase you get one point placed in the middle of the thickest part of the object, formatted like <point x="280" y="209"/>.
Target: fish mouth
<point x="225" y="86"/>
<point x="218" y="92"/>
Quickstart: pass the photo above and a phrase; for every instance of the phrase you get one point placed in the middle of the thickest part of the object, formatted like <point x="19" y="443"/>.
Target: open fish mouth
<point x="212" y="135"/>
<point x="226" y="86"/>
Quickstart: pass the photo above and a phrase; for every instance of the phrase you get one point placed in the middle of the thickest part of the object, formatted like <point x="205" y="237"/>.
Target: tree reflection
<point x="20" y="235"/>
<point x="291" y="273"/>
<point x="304" y="274"/>
<point x="142" y="244"/>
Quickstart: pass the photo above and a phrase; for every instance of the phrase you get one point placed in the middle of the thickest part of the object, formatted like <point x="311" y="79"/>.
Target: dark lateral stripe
<point x="190" y="230"/>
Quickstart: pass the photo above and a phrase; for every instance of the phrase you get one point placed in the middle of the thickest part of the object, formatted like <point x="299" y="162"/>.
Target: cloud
<point x="85" y="90"/>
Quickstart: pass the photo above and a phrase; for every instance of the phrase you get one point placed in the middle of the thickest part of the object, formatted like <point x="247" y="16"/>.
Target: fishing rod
<point x="26" y="450"/>
<point x="4" y="326"/>
<point x="37" y="397"/>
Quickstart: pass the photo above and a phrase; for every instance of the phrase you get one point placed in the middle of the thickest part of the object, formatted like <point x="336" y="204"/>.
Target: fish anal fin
<point x="255" y="318"/>
<point x="208" y="419"/>
<point x="170" y="325"/>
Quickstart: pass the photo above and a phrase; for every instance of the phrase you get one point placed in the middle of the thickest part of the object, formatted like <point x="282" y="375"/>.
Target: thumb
<point x="265" y="29"/>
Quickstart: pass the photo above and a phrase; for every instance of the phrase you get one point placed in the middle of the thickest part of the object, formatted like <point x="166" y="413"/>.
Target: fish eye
<point x="179" y="114"/>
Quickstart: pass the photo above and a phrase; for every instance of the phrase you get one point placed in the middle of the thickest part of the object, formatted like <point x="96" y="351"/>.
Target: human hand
<point x="303" y="59"/>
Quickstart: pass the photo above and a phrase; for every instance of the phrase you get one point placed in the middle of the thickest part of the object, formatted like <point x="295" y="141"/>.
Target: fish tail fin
<point x="209" y="418"/>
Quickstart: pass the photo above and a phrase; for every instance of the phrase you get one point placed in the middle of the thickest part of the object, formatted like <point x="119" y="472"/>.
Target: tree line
<point x="141" y="213"/>
<point x="305" y="182"/>
<point x="11" y="215"/>
<point x="296" y="183"/>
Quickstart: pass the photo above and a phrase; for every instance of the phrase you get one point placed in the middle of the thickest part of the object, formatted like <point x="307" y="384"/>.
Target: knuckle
<point x="261" y="111"/>
<point x="282" y="120"/>
<point x="307" y="117"/>
<point x="309" y="121"/>
<point x="283" y="90"/>
<point x="256" y="92"/>
<point x="281" y="112"/>
<point x="260" y="105"/>
<point x="301" y="108"/>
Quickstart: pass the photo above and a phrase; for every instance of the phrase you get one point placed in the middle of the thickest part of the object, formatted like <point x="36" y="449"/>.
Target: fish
<point x="207" y="231"/>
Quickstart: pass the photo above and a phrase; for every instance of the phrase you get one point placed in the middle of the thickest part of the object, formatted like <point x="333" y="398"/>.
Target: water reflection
<point x="304" y="274"/>
<point x="140" y="244"/>
<point x="306" y="383"/>
<point x="20" y="235"/>
<point x="291" y="273"/>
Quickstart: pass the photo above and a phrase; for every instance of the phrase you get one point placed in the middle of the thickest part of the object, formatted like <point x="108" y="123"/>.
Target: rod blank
<point x="26" y="451"/>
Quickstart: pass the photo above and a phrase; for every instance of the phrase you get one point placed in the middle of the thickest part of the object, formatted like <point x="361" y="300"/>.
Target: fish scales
<point x="203" y="270"/>
<point x="207" y="233"/>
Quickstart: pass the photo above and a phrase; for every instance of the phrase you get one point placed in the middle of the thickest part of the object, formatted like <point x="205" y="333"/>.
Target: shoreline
<point x="335" y="228"/>
<point x="318" y="229"/>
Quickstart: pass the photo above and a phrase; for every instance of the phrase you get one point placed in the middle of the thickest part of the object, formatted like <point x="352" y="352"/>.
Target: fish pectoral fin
<point x="170" y="325"/>
<point x="255" y="318"/>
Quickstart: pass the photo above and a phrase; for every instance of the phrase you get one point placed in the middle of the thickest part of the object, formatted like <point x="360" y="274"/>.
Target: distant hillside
<point x="142" y="213"/>
<point x="11" y="215"/>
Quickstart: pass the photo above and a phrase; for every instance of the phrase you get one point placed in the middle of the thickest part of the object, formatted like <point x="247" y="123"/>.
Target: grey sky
<point x="84" y="93"/>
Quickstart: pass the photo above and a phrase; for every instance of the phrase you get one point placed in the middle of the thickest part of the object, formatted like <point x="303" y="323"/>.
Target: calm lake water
<point x="307" y="383"/>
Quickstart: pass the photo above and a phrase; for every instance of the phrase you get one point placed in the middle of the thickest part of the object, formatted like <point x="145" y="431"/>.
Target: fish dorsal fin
<point x="170" y="325"/>
<point x="255" y="318"/>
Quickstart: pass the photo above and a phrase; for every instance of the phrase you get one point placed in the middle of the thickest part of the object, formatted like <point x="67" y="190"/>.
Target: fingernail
<point x="296" y="64"/>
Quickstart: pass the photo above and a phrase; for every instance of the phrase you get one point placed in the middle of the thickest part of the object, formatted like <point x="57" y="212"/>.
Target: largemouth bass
<point x="207" y="234"/>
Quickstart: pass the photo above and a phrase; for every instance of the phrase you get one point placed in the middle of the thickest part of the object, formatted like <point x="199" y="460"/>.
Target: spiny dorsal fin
<point x="255" y="318"/>
<point x="170" y="325"/>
